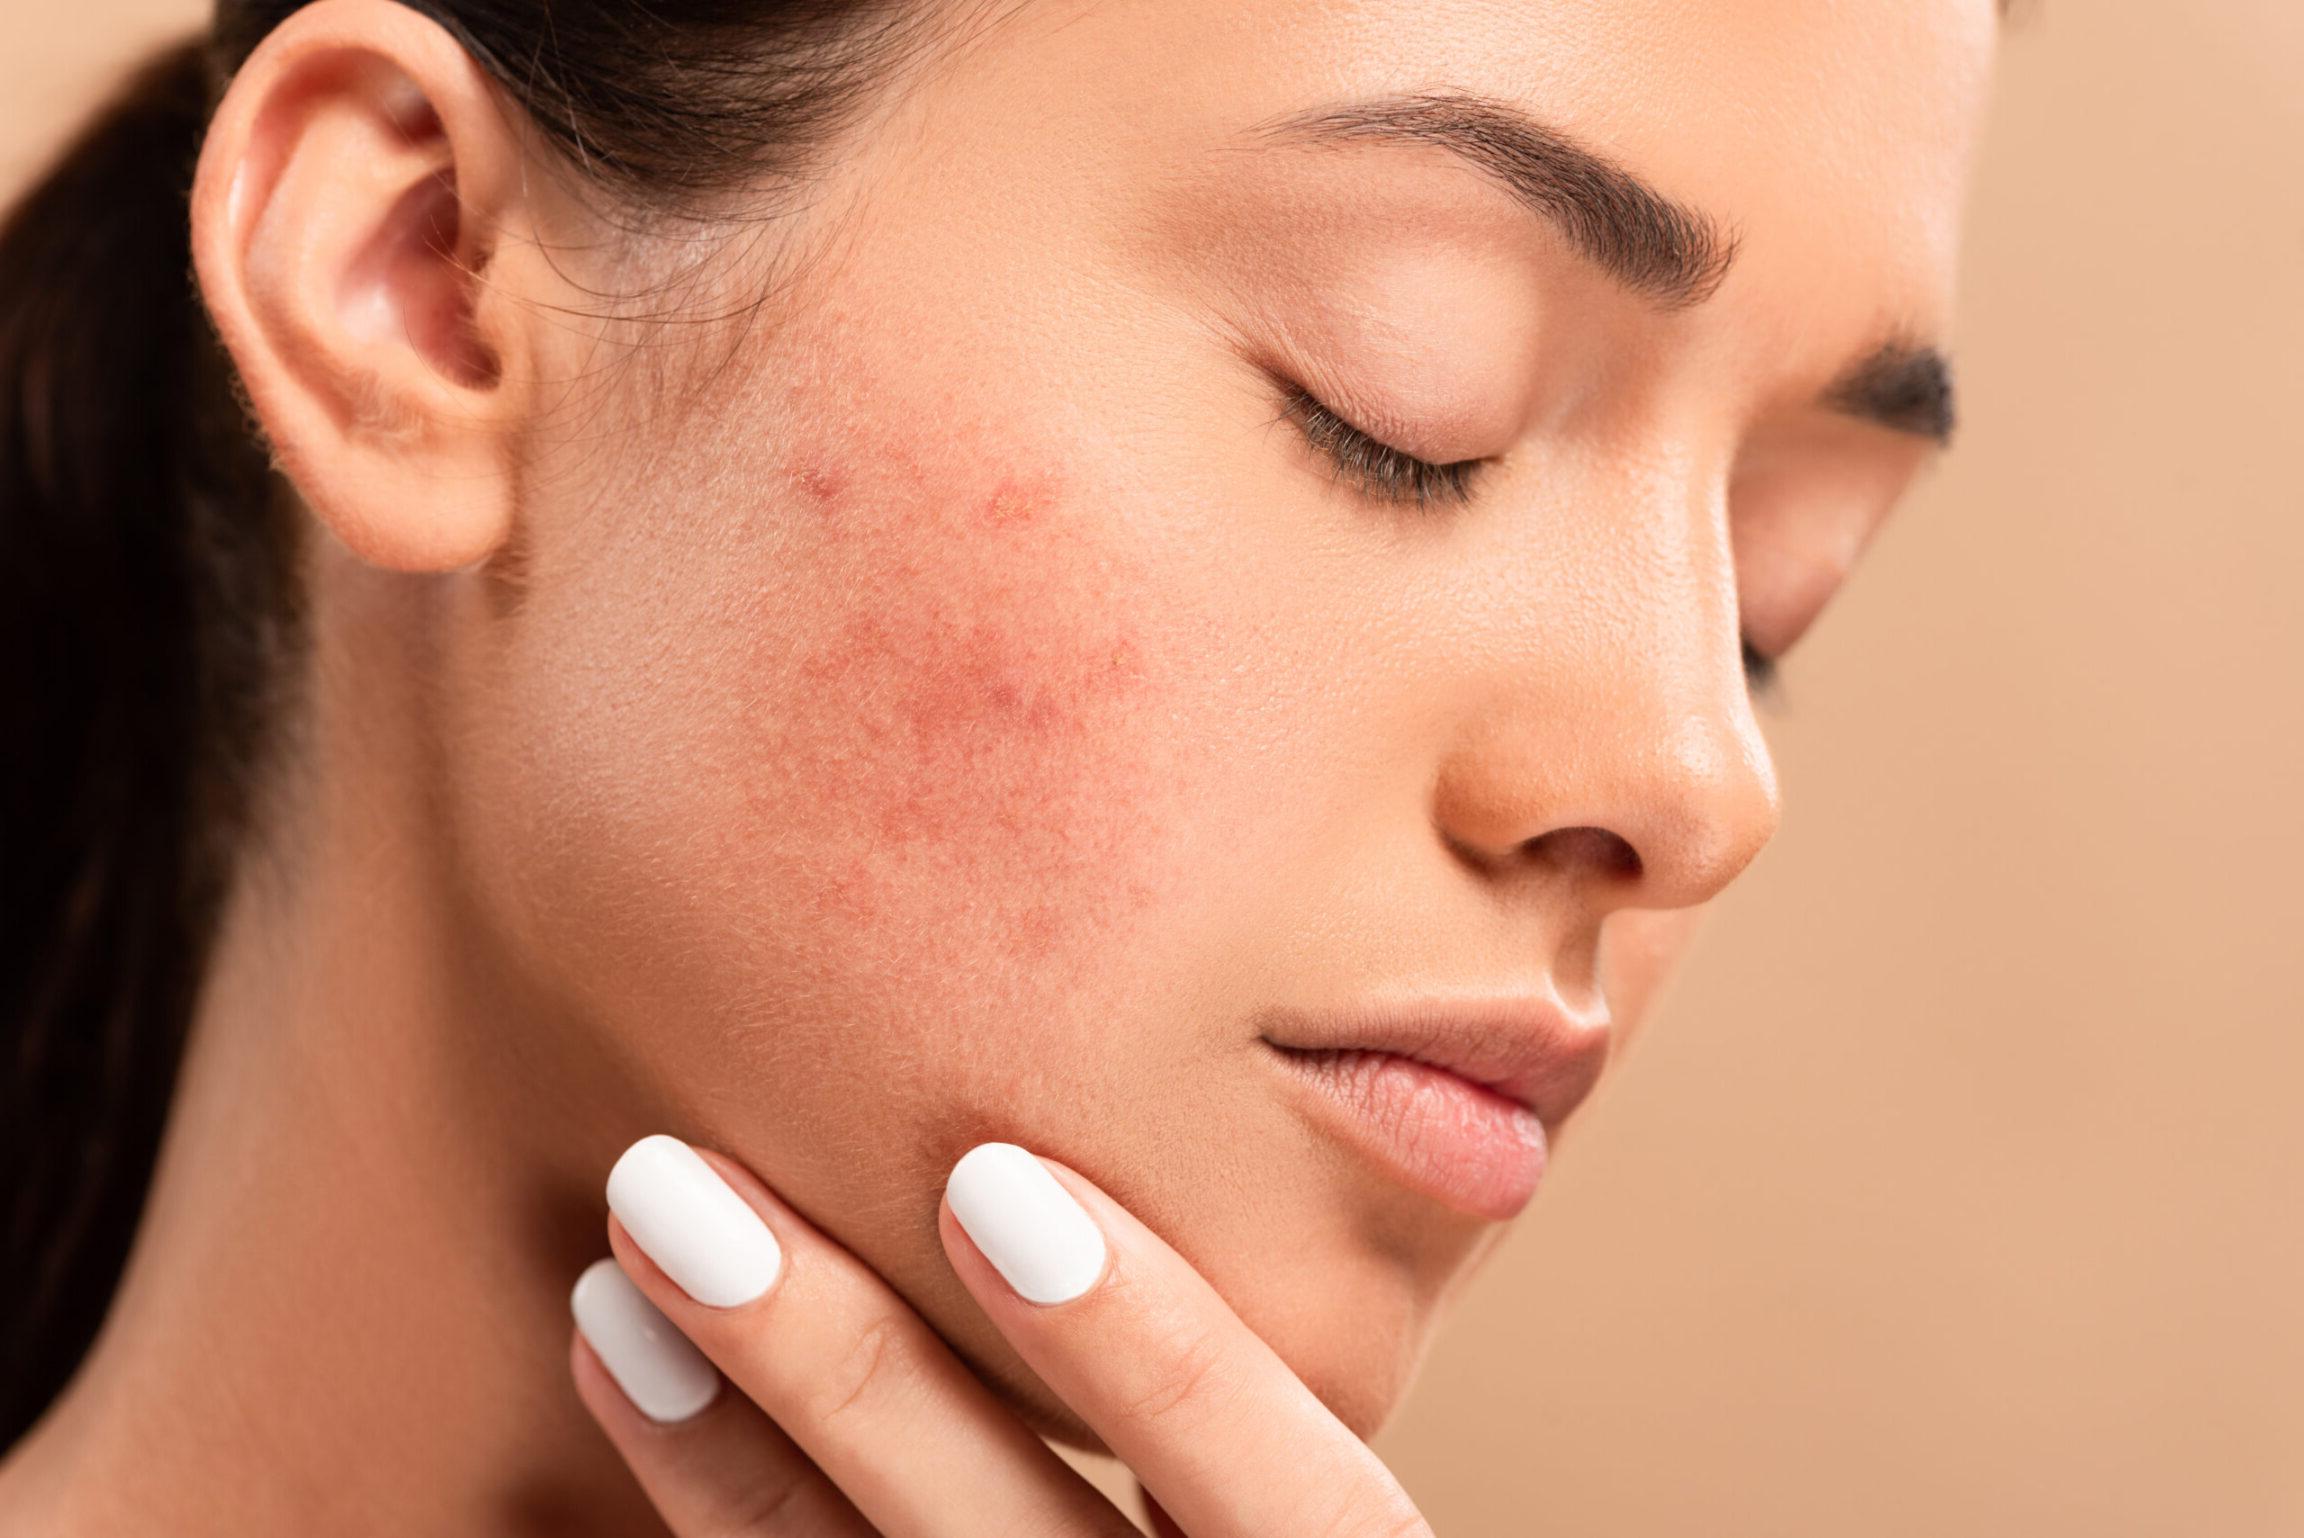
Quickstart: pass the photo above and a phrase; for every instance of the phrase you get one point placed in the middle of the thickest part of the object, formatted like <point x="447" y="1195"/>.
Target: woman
<point x="806" y="589"/>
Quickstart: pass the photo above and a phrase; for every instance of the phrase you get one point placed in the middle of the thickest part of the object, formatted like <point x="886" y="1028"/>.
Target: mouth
<point x="1459" y="1100"/>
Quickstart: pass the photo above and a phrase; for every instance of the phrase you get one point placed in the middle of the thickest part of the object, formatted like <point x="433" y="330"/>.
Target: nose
<point x="1618" y="753"/>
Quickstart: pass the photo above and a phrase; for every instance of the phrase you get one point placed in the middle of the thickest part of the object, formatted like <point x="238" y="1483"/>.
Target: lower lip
<point x="1441" y="1134"/>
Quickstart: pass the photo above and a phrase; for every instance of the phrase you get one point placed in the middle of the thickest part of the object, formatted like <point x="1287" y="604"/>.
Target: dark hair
<point x="149" y="582"/>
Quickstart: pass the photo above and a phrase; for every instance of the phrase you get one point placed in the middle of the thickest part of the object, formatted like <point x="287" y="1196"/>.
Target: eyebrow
<point x="1645" y="240"/>
<point x="1652" y="244"/>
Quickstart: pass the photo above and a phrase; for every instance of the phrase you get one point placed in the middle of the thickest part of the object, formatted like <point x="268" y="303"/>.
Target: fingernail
<point x="692" y="1223"/>
<point x="1026" y="1223"/>
<point x="658" y="1368"/>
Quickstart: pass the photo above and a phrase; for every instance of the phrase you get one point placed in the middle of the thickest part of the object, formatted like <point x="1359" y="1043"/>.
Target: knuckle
<point x="1189" y="1377"/>
<point x="879" y="1366"/>
<point x="762" y="1504"/>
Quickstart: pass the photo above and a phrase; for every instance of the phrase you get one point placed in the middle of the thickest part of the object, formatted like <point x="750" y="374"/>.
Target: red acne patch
<point x="960" y="737"/>
<point x="983" y="732"/>
<point x="974" y="722"/>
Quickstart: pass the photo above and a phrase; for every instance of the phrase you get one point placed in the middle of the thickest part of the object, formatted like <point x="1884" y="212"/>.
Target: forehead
<point x="1831" y="136"/>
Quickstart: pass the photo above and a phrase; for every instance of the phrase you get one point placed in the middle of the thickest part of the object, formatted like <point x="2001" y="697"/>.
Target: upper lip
<point x="1526" y="1047"/>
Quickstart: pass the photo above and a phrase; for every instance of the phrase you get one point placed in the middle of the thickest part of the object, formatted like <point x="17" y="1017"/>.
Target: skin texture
<point x="942" y="701"/>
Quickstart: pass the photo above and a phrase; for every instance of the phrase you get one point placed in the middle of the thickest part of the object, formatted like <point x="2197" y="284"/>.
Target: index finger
<point x="1217" y="1428"/>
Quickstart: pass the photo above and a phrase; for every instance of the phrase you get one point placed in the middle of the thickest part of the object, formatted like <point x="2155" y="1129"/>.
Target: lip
<point x="1459" y="1098"/>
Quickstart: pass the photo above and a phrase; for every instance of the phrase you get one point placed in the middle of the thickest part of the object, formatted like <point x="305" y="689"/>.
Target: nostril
<point x="1595" y="850"/>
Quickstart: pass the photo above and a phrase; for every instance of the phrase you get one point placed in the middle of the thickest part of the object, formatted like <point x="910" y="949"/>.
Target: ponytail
<point x="149" y="607"/>
<point x="145" y="593"/>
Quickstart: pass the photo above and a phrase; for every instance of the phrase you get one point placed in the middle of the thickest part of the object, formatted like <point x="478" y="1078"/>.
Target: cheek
<point x="965" y="728"/>
<point x="865" y="772"/>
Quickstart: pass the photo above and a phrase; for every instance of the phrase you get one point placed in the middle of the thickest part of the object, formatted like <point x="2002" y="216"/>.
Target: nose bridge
<point x="1616" y="737"/>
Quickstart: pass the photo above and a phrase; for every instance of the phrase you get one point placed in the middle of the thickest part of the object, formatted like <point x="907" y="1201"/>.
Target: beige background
<point x="1960" y="1187"/>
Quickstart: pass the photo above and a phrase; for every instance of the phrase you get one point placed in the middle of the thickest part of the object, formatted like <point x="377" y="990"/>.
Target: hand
<point x="855" y="1418"/>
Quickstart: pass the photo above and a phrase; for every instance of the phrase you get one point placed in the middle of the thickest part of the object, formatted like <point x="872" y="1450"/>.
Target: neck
<point x="346" y="1308"/>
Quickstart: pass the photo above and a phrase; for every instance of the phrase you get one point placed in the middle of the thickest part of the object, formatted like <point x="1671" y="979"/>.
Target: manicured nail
<point x="660" y="1371"/>
<point x="692" y="1223"/>
<point x="1026" y="1223"/>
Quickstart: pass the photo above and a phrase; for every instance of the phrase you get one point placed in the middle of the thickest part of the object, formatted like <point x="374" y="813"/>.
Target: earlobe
<point x="352" y="202"/>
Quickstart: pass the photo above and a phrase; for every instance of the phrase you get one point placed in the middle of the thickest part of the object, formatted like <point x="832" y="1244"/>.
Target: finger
<point x="868" y="1391"/>
<point x="1227" y="1440"/>
<point x="712" y="1465"/>
<point x="1162" y="1525"/>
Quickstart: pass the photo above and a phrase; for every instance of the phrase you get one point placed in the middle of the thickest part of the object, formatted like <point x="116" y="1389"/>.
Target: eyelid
<point x="1379" y="470"/>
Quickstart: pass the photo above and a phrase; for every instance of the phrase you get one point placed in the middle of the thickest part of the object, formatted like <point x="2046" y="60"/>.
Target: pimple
<point x="820" y="483"/>
<point x="1017" y="499"/>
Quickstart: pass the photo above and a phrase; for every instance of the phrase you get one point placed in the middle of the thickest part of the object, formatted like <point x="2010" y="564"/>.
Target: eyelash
<point x="1392" y="476"/>
<point x="1759" y="672"/>
<point x="1377" y="469"/>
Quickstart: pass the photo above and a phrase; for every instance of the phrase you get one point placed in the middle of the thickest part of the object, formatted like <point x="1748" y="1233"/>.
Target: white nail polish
<point x="692" y="1223"/>
<point x="658" y="1368"/>
<point x="1026" y="1223"/>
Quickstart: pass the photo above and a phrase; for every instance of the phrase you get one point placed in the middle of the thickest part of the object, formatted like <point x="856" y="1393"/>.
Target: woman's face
<point x="956" y="700"/>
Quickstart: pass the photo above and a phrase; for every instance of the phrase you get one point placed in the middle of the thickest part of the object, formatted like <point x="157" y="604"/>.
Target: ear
<point x="358" y="225"/>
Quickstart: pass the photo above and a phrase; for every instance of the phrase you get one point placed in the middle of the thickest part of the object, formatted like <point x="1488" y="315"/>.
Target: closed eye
<point x="1392" y="475"/>
<point x="1376" y="469"/>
